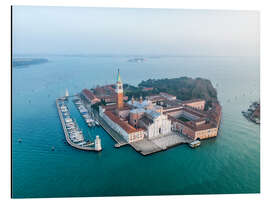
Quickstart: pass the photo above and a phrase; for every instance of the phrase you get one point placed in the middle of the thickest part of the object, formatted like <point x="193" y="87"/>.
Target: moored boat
<point x="195" y="144"/>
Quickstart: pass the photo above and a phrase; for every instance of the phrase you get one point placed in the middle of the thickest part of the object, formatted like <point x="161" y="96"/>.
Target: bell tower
<point x="119" y="91"/>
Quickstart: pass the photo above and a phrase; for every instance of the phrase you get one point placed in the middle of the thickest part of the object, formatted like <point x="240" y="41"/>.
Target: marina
<point x="74" y="136"/>
<point x="88" y="117"/>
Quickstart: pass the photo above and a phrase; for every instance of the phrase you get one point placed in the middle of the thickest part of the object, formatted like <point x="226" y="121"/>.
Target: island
<point x="18" y="62"/>
<point x="154" y="116"/>
<point x="253" y="112"/>
<point x="136" y="60"/>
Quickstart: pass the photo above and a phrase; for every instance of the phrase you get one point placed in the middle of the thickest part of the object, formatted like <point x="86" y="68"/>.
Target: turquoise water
<point x="229" y="163"/>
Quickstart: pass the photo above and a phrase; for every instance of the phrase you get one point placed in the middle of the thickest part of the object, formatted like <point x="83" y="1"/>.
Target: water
<point x="229" y="163"/>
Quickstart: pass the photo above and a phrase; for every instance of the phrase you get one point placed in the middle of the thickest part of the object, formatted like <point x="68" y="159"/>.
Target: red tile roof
<point x="192" y="124"/>
<point x="89" y="94"/>
<point x="192" y="101"/>
<point x="212" y="115"/>
<point x="190" y="110"/>
<point x="114" y="107"/>
<point x="256" y="113"/>
<point x="215" y="113"/>
<point x="124" y="125"/>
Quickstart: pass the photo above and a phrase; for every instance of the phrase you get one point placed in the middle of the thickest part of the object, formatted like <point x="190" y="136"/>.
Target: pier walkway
<point x="161" y="143"/>
<point x="66" y="132"/>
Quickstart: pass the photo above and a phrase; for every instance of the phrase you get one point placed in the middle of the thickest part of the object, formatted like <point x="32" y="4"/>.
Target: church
<point x="135" y="120"/>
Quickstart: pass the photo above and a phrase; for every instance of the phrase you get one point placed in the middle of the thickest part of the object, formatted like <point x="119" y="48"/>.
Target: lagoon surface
<point x="229" y="163"/>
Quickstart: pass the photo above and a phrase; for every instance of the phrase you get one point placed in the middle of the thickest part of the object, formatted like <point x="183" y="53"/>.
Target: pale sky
<point x="76" y="30"/>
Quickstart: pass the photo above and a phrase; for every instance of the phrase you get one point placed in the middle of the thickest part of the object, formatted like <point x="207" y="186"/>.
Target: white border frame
<point x="261" y="6"/>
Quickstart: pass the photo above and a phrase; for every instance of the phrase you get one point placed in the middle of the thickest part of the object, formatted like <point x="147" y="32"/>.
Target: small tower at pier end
<point x="67" y="94"/>
<point x="119" y="92"/>
<point x="98" y="144"/>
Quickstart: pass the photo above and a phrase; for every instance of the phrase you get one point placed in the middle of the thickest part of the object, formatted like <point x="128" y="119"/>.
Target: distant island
<point x="136" y="60"/>
<point x="28" y="61"/>
<point x="253" y="112"/>
<point x="184" y="88"/>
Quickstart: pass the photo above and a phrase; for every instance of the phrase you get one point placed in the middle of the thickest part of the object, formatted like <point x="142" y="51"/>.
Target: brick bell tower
<point x="119" y="92"/>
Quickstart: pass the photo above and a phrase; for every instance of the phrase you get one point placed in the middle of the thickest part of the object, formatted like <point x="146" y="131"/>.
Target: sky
<point x="123" y="31"/>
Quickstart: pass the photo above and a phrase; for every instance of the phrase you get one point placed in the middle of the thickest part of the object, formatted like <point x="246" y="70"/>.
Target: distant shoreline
<point x="124" y="55"/>
<point x="28" y="61"/>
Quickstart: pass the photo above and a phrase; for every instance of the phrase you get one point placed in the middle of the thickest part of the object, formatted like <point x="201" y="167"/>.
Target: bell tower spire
<point x="119" y="91"/>
<point x="118" y="76"/>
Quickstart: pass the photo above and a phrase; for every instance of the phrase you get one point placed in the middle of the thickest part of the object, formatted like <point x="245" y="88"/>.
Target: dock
<point x="67" y="134"/>
<point x="162" y="143"/>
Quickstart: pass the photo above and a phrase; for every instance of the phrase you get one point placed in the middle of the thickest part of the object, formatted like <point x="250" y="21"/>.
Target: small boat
<point x="87" y="120"/>
<point x="86" y="115"/>
<point x="68" y="120"/>
<point x="195" y="144"/>
<point x="53" y="148"/>
<point x="19" y="140"/>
